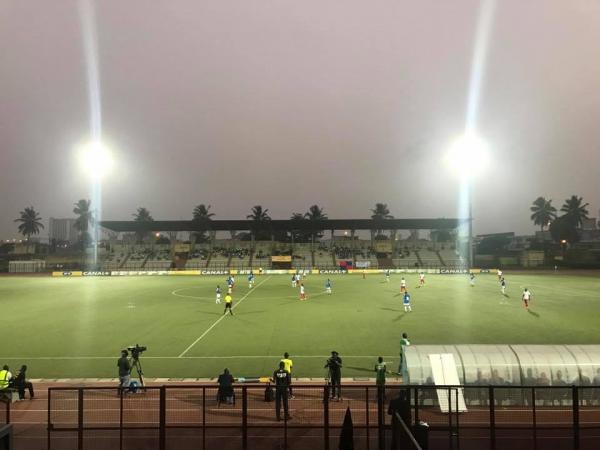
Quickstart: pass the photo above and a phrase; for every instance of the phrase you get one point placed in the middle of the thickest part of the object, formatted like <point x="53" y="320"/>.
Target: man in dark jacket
<point x="21" y="384"/>
<point x="334" y="366"/>
<point x="225" y="381"/>
<point x="281" y="377"/>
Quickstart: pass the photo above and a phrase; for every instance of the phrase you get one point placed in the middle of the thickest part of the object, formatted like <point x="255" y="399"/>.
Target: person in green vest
<point x="5" y="378"/>
<point x="380" y="374"/>
<point x="403" y="343"/>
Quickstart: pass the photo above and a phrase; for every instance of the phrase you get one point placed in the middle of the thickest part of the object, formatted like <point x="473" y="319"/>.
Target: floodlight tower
<point x="468" y="155"/>
<point x="96" y="162"/>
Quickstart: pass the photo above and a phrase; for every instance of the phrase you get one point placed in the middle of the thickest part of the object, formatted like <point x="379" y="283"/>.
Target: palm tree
<point x="142" y="215"/>
<point x="575" y="210"/>
<point x="201" y="216"/>
<point x="29" y="222"/>
<point x="543" y="212"/>
<point x="84" y="219"/>
<point x="297" y="232"/>
<point x="316" y="216"/>
<point x="259" y="216"/>
<point x="380" y="213"/>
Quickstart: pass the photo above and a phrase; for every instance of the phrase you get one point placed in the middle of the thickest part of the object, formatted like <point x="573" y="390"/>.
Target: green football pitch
<point x="75" y="327"/>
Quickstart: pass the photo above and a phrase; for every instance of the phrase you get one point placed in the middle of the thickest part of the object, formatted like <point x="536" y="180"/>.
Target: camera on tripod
<point x="137" y="350"/>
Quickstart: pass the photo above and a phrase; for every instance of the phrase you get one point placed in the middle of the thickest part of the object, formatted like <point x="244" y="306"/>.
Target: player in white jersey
<point x="218" y="293"/>
<point x="387" y="276"/>
<point x="328" y="286"/>
<point x="402" y="285"/>
<point x="302" y="293"/>
<point x="499" y="275"/>
<point x="421" y="279"/>
<point x="526" y="298"/>
<point x="294" y="281"/>
<point x="503" y="286"/>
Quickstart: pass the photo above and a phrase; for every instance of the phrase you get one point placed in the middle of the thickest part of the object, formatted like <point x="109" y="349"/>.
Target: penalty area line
<point x="222" y="317"/>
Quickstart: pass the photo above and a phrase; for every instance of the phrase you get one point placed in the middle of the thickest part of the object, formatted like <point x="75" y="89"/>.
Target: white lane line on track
<point x="222" y="317"/>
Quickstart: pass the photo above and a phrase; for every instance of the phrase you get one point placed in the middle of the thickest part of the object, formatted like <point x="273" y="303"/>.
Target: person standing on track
<point x="124" y="371"/>
<point x="334" y="366"/>
<point x="288" y="365"/>
<point x="281" y="377"/>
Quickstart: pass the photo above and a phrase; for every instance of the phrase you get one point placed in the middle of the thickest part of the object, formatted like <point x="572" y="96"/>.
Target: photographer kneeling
<point x="124" y="371"/>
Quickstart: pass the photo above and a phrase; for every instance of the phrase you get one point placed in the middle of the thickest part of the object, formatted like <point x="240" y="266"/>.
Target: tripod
<point x="137" y="365"/>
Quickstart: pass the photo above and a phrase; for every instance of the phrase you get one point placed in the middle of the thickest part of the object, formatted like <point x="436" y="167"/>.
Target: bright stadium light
<point x="96" y="160"/>
<point x="468" y="155"/>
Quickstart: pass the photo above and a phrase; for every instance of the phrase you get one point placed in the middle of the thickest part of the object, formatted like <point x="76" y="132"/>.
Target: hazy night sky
<point x="286" y="104"/>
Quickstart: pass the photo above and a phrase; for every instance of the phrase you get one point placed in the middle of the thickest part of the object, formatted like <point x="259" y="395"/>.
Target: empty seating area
<point x="302" y="256"/>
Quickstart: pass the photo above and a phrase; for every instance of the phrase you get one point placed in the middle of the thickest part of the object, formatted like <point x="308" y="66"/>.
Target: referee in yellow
<point x="228" y="304"/>
<point x="287" y="366"/>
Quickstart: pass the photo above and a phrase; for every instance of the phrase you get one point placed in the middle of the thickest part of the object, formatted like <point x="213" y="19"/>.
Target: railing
<point x="4" y="411"/>
<point x="191" y="416"/>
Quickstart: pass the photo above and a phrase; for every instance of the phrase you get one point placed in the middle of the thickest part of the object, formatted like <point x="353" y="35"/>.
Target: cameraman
<point x="124" y="371"/>
<point x="334" y="366"/>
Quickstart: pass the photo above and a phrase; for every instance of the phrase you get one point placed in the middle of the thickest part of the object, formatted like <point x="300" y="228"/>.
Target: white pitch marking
<point x="222" y="317"/>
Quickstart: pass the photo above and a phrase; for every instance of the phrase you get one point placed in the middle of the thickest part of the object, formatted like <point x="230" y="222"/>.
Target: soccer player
<point x="472" y="279"/>
<point x="250" y="280"/>
<point x="421" y="279"/>
<point x="288" y="364"/>
<point x="218" y="292"/>
<point x="402" y="285"/>
<point x="526" y="298"/>
<point x="503" y="286"/>
<point x="499" y="275"/>
<point x="232" y="281"/>
<point x="228" y="304"/>
<point x="406" y="302"/>
<point x="302" y="293"/>
<point x="387" y="276"/>
<point x="364" y="274"/>
<point x="328" y="286"/>
<point x="294" y="281"/>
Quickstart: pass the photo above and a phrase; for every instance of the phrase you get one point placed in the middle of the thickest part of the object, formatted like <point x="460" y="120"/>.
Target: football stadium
<point x="299" y="226"/>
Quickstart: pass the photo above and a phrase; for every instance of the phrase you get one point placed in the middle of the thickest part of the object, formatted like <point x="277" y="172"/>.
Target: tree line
<point x="30" y="222"/>
<point x="564" y="227"/>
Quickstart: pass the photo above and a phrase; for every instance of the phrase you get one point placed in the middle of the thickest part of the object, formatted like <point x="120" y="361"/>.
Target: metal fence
<point x="4" y="411"/>
<point x="179" y="417"/>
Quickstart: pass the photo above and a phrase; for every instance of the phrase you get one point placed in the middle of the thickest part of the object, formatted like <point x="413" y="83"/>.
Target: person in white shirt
<point x="526" y="298"/>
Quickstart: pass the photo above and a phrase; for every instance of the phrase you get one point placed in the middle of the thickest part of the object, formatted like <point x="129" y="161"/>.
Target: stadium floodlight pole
<point x="96" y="161"/>
<point x="468" y="155"/>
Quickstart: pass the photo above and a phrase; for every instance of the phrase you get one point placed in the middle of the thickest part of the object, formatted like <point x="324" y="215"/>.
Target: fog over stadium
<point x="287" y="104"/>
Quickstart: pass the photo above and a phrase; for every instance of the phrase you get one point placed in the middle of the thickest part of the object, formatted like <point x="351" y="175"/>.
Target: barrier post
<point x="326" y="416"/>
<point x="367" y="416"/>
<point x="79" y="418"/>
<point x="203" y="417"/>
<point x="244" y="417"/>
<point x="162" y="437"/>
<point x="491" y="401"/>
<point x="534" y="418"/>
<point x="49" y="426"/>
<point x="120" y="419"/>
<point x="380" y="417"/>
<point x="575" y="397"/>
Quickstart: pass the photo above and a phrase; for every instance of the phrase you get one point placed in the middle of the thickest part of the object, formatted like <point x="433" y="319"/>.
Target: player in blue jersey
<point x="250" y="280"/>
<point x="406" y="302"/>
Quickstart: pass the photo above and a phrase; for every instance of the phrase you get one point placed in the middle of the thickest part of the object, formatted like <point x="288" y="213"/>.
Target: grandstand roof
<point x="285" y="225"/>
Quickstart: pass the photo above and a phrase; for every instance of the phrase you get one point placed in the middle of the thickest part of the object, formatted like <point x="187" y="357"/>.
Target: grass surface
<point x="75" y="327"/>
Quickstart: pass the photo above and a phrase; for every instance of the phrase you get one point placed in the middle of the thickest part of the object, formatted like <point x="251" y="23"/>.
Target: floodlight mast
<point x="468" y="155"/>
<point x="96" y="162"/>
